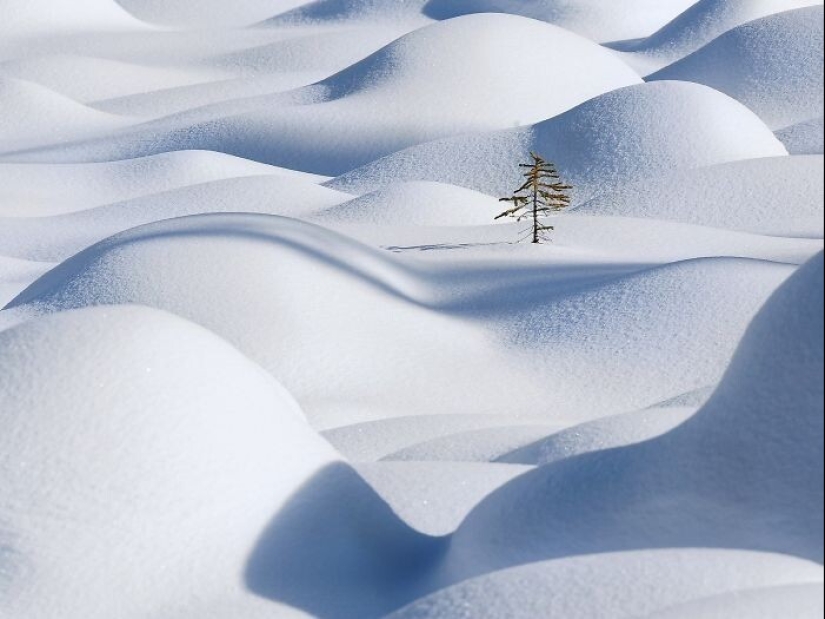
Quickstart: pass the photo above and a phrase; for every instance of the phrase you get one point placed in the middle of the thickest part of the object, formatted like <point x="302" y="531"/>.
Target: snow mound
<point x="365" y="111"/>
<point x="410" y="12"/>
<point x="775" y="196"/>
<point x="620" y="586"/>
<point x="258" y="281"/>
<point x="416" y="204"/>
<point x="630" y="134"/>
<point x="776" y="602"/>
<point x="376" y="341"/>
<point x="805" y="138"/>
<point x="705" y="21"/>
<point x="595" y="19"/>
<point x="42" y="17"/>
<point x="773" y="65"/>
<point x="57" y="238"/>
<point x="42" y="190"/>
<point x="35" y="116"/>
<point x="197" y="436"/>
<point x="742" y="473"/>
<point x="207" y="14"/>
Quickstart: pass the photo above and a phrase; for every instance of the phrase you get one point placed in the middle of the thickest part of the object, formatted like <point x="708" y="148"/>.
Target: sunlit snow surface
<point x="265" y="353"/>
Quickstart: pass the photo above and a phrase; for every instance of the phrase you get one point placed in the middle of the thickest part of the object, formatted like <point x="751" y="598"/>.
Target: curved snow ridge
<point x="623" y="585"/>
<point x="736" y="475"/>
<point x="57" y="238"/>
<point x="294" y="296"/>
<point x="805" y="138"/>
<point x="44" y="190"/>
<point x="777" y="196"/>
<point x="597" y="20"/>
<point x="415" y="204"/>
<point x="630" y="134"/>
<point x="703" y="22"/>
<point x="411" y="12"/>
<point x="414" y="90"/>
<point x="42" y="17"/>
<point x="35" y="116"/>
<point x="773" y="65"/>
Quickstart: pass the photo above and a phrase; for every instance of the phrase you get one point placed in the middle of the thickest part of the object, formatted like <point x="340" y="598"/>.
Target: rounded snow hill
<point x="339" y="323"/>
<point x="416" y="204"/>
<point x="42" y="17"/>
<point x="206" y="14"/>
<point x="634" y="133"/>
<point x="178" y="477"/>
<point x="141" y="459"/>
<point x="617" y="586"/>
<point x="35" y="116"/>
<point x="805" y="138"/>
<point x="773" y="65"/>
<point x="416" y="89"/>
<point x="777" y="196"/>
<point x="703" y="22"/>
<point x="745" y="472"/>
<point x="44" y="190"/>
<point x="53" y="239"/>
<point x="595" y="19"/>
<point x="393" y="338"/>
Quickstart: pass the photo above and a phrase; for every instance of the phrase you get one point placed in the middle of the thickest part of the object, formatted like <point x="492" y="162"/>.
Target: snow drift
<point x="743" y="473"/>
<point x="773" y="65"/>
<point x="626" y="135"/>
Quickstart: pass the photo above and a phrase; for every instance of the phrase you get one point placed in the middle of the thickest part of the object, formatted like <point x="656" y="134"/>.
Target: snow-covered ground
<point x="265" y="352"/>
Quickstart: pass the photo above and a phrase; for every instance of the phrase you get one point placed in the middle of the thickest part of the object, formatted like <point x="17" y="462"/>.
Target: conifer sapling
<point x="542" y="193"/>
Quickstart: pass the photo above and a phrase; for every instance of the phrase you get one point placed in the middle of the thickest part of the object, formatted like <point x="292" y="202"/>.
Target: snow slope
<point x="193" y="430"/>
<point x="702" y="23"/>
<point x="742" y="473"/>
<point x="773" y="65"/>
<point x="364" y="112"/>
<point x="805" y="138"/>
<point x="630" y="134"/>
<point x="776" y="196"/>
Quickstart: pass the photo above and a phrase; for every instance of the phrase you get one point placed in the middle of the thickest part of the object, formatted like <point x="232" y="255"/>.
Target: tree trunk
<point x="536" y="239"/>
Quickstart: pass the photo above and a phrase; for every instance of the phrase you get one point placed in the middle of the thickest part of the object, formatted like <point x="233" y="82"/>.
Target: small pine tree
<point x="542" y="193"/>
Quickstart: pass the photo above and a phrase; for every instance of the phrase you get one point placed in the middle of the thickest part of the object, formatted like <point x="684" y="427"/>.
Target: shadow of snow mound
<point x="338" y="551"/>
<point x="773" y="65"/>
<point x="630" y="134"/>
<point x="745" y="472"/>
<point x="805" y="138"/>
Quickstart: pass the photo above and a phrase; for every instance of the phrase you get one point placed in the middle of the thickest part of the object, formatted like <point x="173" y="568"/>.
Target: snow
<point x="702" y="23"/>
<point x="265" y="351"/>
<point x="626" y="135"/>
<point x="773" y="65"/>
<point x="805" y="138"/>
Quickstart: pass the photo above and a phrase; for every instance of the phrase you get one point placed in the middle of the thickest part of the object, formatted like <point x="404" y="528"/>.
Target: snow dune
<point x="741" y="473"/>
<point x="594" y="19"/>
<point x="775" y="196"/>
<point x="805" y="138"/>
<point x="192" y="428"/>
<point x="34" y="115"/>
<point x="364" y="112"/>
<point x="385" y="323"/>
<point x="627" y="135"/>
<point x="620" y="586"/>
<point x="41" y="17"/>
<point x="773" y="65"/>
<point x="702" y="23"/>
<point x="43" y="190"/>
